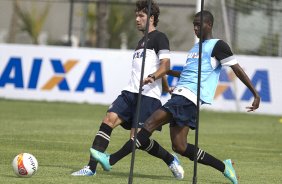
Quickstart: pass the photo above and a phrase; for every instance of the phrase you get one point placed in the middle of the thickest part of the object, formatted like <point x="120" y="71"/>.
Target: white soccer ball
<point x="25" y="165"/>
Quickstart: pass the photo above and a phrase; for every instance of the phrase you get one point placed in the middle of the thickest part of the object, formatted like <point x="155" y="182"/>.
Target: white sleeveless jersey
<point x="157" y="49"/>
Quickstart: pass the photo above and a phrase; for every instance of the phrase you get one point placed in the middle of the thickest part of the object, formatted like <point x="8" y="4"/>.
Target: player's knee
<point x="110" y="124"/>
<point x="180" y="149"/>
<point x="112" y="120"/>
<point x="147" y="126"/>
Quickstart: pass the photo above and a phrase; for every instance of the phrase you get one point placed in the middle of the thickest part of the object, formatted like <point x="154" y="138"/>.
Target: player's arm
<point x="174" y="73"/>
<point x="164" y="67"/>
<point x="223" y="53"/>
<point x="246" y="80"/>
<point x="165" y="85"/>
<point x="162" y="49"/>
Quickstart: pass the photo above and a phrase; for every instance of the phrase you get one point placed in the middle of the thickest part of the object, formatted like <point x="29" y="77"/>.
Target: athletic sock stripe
<point x="101" y="132"/>
<point x="150" y="146"/>
<point x="137" y="142"/>
<point x="199" y="153"/>
<point x="203" y="155"/>
<point x="104" y="134"/>
<point x="101" y="135"/>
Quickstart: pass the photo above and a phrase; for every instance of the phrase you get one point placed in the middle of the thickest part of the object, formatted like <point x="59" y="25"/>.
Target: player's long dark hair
<point x="142" y="5"/>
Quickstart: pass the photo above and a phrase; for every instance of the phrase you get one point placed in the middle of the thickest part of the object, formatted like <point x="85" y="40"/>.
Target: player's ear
<point x="209" y="24"/>
<point x="152" y="18"/>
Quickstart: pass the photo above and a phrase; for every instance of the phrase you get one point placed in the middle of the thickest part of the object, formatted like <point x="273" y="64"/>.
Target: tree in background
<point x="102" y="19"/>
<point x="13" y="24"/>
<point x="120" y="24"/>
<point x="91" y="25"/>
<point x="122" y="27"/>
<point x="31" y="21"/>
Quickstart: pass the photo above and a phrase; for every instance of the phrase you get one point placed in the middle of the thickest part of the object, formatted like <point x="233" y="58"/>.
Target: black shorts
<point x="125" y="107"/>
<point x="183" y="111"/>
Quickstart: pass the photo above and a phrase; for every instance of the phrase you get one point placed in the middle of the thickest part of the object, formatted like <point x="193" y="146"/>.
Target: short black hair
<point x="207" y="16"/>
<point x="142" y="5"/>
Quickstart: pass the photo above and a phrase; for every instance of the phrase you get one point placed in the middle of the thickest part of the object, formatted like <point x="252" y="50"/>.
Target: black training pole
<point x="130" y="178"/>
<point x="198" y="94"/>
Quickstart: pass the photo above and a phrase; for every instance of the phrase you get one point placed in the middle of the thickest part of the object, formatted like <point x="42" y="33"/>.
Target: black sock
<point x="100" y="143"/>
<point x="203" y="157"/>
<point x="158" y="151"/>
<point x="142" y="140"/>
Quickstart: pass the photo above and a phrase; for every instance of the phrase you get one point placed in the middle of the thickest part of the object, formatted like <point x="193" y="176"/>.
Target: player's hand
<point x="255" y="105"/>
<point x="148" y="80"/>
<point x="169" y="90"/>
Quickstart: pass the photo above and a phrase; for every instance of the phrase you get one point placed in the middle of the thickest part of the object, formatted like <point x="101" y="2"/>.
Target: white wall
<point x="55" y="74"/>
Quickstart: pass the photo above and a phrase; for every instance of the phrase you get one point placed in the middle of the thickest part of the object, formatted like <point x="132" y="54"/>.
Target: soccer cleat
<point x="102" y="158"/>
<point x="176" y="168"/>
<point x="85" y="171"/>
<point x="229" y="171"/>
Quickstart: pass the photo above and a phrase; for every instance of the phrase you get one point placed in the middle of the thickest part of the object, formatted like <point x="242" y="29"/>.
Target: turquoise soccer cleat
<point x="85" y="171"/>
<point x="102" y="158"/>
<point x="229" y="171"/>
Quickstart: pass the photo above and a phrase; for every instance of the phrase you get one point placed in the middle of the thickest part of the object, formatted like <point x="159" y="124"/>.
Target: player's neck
<point x="151" y="28"/>
<point x="208" y="37"/>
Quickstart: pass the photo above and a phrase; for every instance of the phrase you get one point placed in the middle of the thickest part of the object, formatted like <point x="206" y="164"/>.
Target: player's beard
<point x="141" y="28"/>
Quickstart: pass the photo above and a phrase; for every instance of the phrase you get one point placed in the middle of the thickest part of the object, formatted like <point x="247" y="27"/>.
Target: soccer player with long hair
<point x="123" y="109"/>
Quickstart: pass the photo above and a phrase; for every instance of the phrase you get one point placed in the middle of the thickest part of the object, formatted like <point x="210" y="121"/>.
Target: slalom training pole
<point x="198" y="94"/>
<point x="130" y="178"/>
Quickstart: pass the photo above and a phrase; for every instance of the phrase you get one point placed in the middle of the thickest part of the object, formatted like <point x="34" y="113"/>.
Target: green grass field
<point x="59" y="136"/>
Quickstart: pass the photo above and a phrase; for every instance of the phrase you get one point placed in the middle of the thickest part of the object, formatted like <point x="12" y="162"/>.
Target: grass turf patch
<point x="59" y="136"/>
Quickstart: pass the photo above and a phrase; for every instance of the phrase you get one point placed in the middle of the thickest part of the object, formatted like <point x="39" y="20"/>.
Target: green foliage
<point x="32" y="21"/>
<point x="59" y="136"/>
<point x="91" y="25"/>
<point x="122" y="21"/>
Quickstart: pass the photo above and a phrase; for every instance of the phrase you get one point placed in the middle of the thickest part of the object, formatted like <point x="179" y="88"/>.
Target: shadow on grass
<point x="164" y="178"/>
<point x="136" y="175"/>
<point x="9" y="176"/>
<point x="124" y="175"/>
